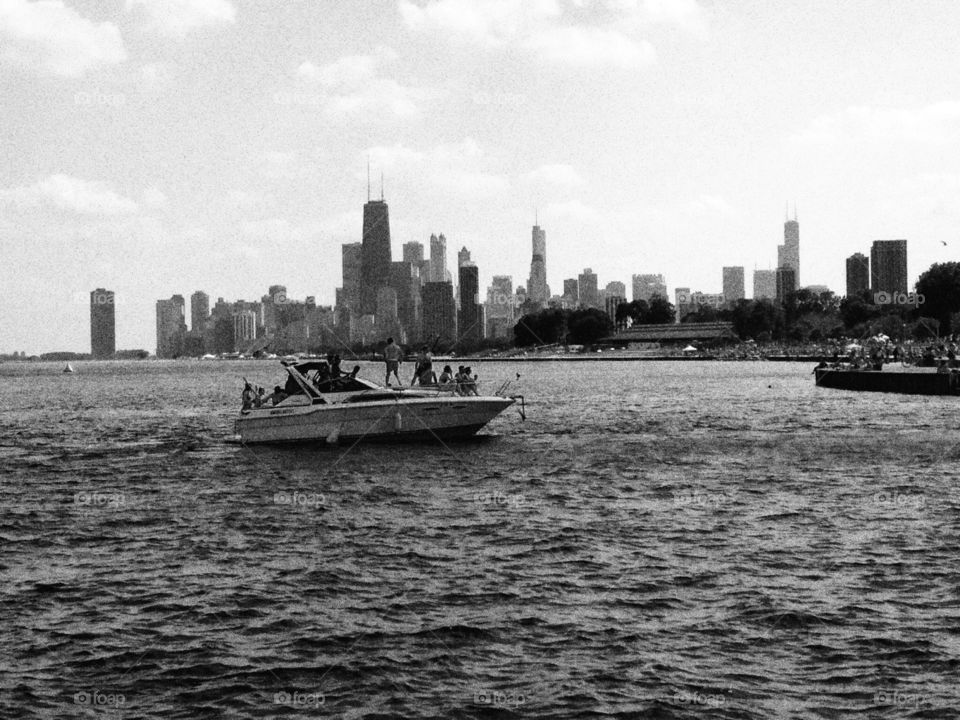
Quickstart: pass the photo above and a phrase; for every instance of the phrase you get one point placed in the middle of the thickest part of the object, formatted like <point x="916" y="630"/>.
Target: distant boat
<point x="908" y="382"/>
<point x="69" y="368"/>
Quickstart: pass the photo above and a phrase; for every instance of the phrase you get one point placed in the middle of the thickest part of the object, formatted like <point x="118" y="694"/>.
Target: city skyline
<point x="131" y="170"/>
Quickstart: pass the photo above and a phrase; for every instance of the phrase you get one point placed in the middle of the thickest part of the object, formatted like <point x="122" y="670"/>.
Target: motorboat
<point x="908" y="381"/>
<point x="349" y="409"/>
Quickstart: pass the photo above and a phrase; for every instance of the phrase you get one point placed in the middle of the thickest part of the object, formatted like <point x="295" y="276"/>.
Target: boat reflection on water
<point x="349" y="409"/>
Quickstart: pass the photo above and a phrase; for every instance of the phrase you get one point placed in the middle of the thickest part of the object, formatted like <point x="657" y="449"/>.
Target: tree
<point x="661" y="311"/>
<point x="940" y="287"/>
<point x="589" y="325"/>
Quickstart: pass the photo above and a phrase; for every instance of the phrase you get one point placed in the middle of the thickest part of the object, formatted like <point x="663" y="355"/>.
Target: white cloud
<point x="178" y="18"/>
<point x="591" y="33"/>
<point x="555" y="175"/>
<point x="591" y="47"/>
<point x="55" y="39"/>
<point x="154" y="197"/>
<point x="352" y="87"/>
<point x="936" y="123"/>
<point x="71" y="194"/>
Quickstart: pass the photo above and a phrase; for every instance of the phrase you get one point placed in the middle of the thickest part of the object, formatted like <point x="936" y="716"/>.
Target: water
<point x="663" y="540"/>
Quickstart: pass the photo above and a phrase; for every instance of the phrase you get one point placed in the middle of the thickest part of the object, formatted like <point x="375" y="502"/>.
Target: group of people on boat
<point x="256" y="397"/>
<point x="463" y="382"/>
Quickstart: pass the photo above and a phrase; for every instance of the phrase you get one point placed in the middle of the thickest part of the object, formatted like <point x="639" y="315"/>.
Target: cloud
<point x="458" y="169"/>
<point x="555" y="175"/>
<point x="54" y="39"/>
<point x="591" y="33"/>
<point x="70" y="194"/>
<point x="591" y="47"/>
<point x="178" y="18"/>
<point x="353" y="87"/>
<point x="936" y="123"/>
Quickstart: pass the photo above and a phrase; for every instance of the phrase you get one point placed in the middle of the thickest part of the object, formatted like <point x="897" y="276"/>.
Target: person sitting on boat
<point x="446" y="377"/>
<point x="322" y="378"/>
<point x="424" y="365"/>
<point x="259" y="400"/>
<point x="469" y="382"/>
<point x="335" y="370"/>
<point x="428" y="376"/>
<point x="247" y="397"/>
<point x="277" y="396"/>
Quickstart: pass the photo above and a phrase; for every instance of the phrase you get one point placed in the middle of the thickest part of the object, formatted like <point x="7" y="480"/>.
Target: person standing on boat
<point x="424" y="365"/>
<point x="392" y="355"/>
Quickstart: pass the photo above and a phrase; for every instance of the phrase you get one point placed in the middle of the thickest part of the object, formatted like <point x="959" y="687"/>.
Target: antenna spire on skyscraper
<point x="381" y="186"/>
<point x="368" y="178"/>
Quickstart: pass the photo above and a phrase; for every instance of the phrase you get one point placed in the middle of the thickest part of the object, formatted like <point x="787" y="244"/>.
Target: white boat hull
<point x="407" y="419"/>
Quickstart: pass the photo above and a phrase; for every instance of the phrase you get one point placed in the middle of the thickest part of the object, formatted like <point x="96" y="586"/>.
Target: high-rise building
<point x="888" y="266"/>
<point x="350" y="258"/>
<point x="413" y="254"/>
<point x="463" y="257"/>
<point x="375" y="255"/>
<point x="788" y="254"/>
<point x="786" y="283"/>
<point x="858" y="275"/>
<point x="733" y="286"/>
<point x="439" y="313"/>
<point x="646" y="286"/>
<point x="438" y="260"/>
<point x="587" y="282"/>
<point x="405" y="281"/>
<point x="764" y="284"/>
<point x="103" y="328"/>
<point x="500" y="307"/>
<point x="616" y="289"/>
<point x="199" y="311"/>
<point x="537" y="288"/>
<point x="611" y="303"/>
<point x="571" y="292"/>
<point x="244" y="327"/>
<point x="171" y="326"/>
<point x="469" y="319"/>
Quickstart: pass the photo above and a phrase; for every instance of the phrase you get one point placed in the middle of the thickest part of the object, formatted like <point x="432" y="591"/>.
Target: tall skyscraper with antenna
<point x="537" y="288"/>
<point x="375" y="254"/>
<point x="788" y="254"/>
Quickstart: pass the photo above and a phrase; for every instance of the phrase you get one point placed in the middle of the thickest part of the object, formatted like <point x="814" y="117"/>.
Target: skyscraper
<point x="405" y="281"/>
<point x="374" y="254"/>
<point x="103" y="332"/>
<point x="571" y="292"/>
<point x="537" y="289"/>
<point x="438" y="260"/>
<point x="469" y="324"/>
<point x="888" y="266"/>
<point x="858" y="275"/>
<point x="646" y="286"/>
<point x="413" y="254"/>
<point x="616" y="289"/>
<point x="786" y="283"/>
<point x="788" y="254"/>
<point x="587" y="282"/>
<point x="439" y="313"/>
<point x="463" y="257"/>
<point x="764" y="284"/>
<point x="733" y="288"/>
<point x="500" y="308"/>
<point x="171" y="326"/>
<point x="199" y="311"/>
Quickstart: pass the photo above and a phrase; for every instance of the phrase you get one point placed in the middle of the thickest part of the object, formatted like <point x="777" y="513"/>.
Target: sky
<point x="154" y="147"/>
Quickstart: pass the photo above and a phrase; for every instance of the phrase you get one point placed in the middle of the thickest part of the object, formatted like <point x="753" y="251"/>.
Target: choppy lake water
<point x="664" y="540"/>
